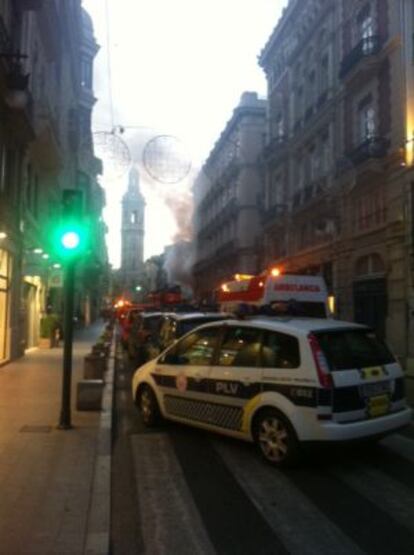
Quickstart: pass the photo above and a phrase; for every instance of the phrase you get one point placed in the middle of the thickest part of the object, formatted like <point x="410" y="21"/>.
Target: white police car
<point x="278" y="382"/>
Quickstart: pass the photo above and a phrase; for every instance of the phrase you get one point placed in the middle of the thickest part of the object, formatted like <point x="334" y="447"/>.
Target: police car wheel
<point x="148" y="406"/>
<point x="276" y="438"/>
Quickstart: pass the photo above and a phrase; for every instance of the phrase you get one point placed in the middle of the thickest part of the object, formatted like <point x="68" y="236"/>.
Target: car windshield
<point x="353" y="348"/>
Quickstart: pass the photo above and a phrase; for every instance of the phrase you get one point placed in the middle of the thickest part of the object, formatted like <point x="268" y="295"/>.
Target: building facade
<point x="132" y="271"/>
<point x="337" y="182"/>
<point x="44" y="45"/>
<point x="227" y="224"/>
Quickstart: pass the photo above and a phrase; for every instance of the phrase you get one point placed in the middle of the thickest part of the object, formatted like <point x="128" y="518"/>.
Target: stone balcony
<point x="366" y="49"/>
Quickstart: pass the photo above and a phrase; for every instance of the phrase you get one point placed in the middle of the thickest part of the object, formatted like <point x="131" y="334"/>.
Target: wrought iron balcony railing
<point x="309" y="192"/>
<point x="372" y="147"/>
<point x="274" y="212"/>
<point x="274" y="146"/>
<point x="368" y="46"/>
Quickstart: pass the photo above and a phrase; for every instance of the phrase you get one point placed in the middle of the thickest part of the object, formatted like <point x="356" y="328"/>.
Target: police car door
<point x="235" y="376"/>
<point x="182" y="373"/>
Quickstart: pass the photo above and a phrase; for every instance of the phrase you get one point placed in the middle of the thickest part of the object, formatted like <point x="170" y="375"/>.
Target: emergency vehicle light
<point x="240" y="277"/>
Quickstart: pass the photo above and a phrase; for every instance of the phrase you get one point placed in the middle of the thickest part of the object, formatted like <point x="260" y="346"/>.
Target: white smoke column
<point x="180" y="255"/>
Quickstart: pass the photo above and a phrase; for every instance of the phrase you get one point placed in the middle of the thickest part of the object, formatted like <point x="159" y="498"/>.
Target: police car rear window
<point x="349" y="349"/>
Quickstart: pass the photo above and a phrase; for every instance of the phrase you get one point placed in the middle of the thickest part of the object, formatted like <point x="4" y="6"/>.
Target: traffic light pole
<point x="69" y="292"/>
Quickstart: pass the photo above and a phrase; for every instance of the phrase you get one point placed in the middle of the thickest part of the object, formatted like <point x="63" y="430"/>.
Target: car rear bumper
<point x="332" y="431"/>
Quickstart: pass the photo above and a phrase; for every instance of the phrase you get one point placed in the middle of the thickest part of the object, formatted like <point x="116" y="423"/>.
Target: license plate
<point x="377" y="388"/>
<point x="378" y="406"/>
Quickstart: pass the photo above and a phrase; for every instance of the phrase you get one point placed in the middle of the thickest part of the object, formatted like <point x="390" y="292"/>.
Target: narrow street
<point x="180" y="490"/>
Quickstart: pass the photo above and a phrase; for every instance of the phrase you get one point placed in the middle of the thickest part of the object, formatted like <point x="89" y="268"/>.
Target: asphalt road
<point x="177" y="490"/>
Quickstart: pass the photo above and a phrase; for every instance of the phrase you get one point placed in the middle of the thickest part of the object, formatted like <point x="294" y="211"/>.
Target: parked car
<point x="126" y="321"/>
<point x="277" y="382"/>
<point x="143" y="340"/>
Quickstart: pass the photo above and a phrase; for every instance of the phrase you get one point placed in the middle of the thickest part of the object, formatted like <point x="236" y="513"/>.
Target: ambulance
<point x="278" y="293"/>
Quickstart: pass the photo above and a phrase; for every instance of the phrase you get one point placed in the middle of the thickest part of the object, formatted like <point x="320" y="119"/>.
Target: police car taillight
<point x="322" y="366"/>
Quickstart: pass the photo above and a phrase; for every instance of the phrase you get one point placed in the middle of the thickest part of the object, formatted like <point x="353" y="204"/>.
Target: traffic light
<point x="70" y="236"/>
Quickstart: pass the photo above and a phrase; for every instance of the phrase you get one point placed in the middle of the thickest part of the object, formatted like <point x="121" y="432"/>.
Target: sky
<point x="173" y="68"/>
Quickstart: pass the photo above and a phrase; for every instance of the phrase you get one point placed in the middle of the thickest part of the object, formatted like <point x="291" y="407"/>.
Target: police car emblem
<point x="181" y="382"/>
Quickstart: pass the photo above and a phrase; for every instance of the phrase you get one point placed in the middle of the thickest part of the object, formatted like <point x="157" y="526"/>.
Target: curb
<point x="98" y="525"/>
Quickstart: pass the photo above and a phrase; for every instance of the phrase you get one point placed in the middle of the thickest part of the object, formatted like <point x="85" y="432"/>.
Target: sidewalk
<point x="47" y="476"/>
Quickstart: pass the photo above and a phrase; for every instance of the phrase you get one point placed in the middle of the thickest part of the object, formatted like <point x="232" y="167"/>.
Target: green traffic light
<point x="71" y="240"/>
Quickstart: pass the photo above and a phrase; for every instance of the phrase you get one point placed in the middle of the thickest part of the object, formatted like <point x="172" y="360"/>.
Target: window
<point x="310" y="90"/>
<point x="351" y="349"/>
<point x="86" y="74"/>
<point x="240" y="347"/>
<point x="300" y="172"/>
<point x="276" y="193"/>
<point x="35" y="204"/>
<point x="366" y="24"/>
<point x="280" y="126"/>
<point x="299" y="104"/>
<point x="134" y="217"/>
<point x="325" y="160"/>
<point x="3" y="168"/>
<point x="370" y="211"/>
<point x="315" y="163"/>
<point x="280" y="350"/>
<point x="29" y="184"/>
<point x="366" y="29"/>
<point x="304" y="236"/>
<point x="324" y="73"/>
<point x="189" y="324"/>
<point x="366" y="116"/>
<point x="196" y="349"/>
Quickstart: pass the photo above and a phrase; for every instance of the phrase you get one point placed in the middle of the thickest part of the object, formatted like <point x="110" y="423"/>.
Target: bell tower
<point x="132" y="234"/>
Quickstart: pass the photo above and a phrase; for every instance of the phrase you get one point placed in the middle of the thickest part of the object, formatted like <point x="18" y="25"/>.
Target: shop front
<point x="5" y="280"/>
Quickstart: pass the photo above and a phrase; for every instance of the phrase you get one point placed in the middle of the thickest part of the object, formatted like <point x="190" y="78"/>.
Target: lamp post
<point x="69" y="289"/>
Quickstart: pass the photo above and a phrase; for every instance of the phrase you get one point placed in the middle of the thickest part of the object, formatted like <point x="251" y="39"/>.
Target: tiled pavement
<point x="47" y="475"/>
